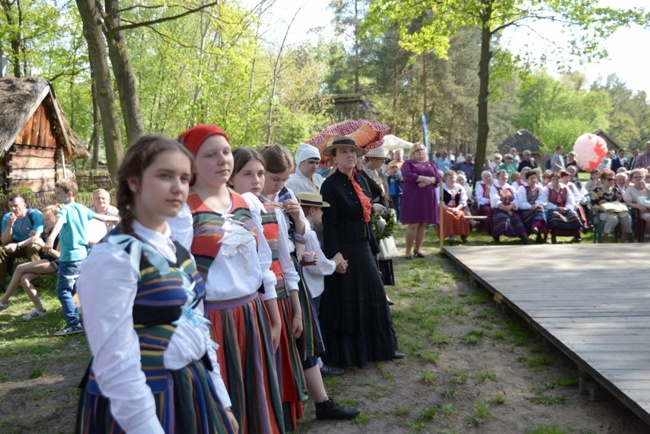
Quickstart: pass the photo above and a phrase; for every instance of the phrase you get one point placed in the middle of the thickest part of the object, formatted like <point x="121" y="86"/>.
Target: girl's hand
<point x="296" y="326"/>
<point x="233" y="420"/>
<point x="275" y="337"/>
<point x="338" y="259"/>
<point x="292" y="208"/>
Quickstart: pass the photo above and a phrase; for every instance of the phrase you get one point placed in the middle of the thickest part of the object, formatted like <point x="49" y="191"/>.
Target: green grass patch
<point x="474" y="337"/>
<point x="459" y="377"/>
<point x="430" y="378"/>
<point x="481" y="414"/>
<point x="484" y="375"/>
<point x="499" y="398"/>
<point x="536" y="363"/>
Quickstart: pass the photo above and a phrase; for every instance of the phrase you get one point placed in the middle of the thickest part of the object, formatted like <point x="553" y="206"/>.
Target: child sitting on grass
<point x="26" y="272"/>
<point x="71" y="224"/>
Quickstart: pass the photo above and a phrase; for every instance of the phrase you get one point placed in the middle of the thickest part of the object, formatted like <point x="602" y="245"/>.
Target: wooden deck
<point x="592" y="301"/>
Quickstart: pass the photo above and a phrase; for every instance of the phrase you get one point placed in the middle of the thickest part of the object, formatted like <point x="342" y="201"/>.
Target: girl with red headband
<point x="234" y="259"/>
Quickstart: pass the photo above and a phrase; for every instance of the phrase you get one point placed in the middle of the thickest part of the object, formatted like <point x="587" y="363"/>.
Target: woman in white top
<point x="503" y="200"/>
<point x="637" y="197"/>
<point x="154" y="369"/>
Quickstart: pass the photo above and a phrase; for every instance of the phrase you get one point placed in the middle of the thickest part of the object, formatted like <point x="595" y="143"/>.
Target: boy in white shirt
<point x="314" y="275"/>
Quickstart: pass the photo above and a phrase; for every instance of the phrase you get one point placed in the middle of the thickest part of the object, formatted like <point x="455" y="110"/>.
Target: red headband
<point x="195" y="136"/>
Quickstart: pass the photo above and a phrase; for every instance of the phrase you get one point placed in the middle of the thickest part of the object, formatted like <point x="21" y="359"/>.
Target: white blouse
<point x="495" y="198"/>
<point x="522" y="197"/>
<point x="107" y="288"/>
<point x="243" y="262"/>
<point x="314" y="274"/>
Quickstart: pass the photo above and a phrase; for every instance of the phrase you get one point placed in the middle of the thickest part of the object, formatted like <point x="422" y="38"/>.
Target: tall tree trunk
<point x="357" y="62"/>
<point x="103" y="83"/>
<point x="484" y="89"/>
<point x="123" y="72"/>
<point x="424" y="85"/>
<point x="94" y="140"/>
<point x="14" y="38"/>
<point x="203" y="25"/>
<point x="274" y="84"/>
<point x="395" y="94"/>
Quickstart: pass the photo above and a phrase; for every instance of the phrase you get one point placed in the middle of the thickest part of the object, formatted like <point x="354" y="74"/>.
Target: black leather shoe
<point x="329" y="409"/>
<point x="329" y="371"/>
<point x="398" y="355"/>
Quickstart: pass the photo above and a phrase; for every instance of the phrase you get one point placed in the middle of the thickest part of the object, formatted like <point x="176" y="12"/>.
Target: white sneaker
<point x="34" y="313"/>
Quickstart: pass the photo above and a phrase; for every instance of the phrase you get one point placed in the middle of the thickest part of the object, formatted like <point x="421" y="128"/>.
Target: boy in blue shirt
<point x="73" y="243"/>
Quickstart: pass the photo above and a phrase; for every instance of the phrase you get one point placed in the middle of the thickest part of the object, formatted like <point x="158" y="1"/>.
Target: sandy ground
<point x="407" y="396"/>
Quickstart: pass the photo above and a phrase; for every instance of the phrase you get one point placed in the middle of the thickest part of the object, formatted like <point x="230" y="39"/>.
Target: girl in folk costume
<point x="560" y="204"/>
<point x="248" y="179"/>
<point x="279" y="165"/>
<point x="453" y="203"/>
<point x="482" y="193"/>
<point x="234" y="259"/>
<point x="154" y="368"/>
<point x="530" y="198"/>
<point x="505" y="219"/>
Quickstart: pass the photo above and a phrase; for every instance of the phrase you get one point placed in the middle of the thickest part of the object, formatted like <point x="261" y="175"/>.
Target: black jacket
<point x="343" y="219"/>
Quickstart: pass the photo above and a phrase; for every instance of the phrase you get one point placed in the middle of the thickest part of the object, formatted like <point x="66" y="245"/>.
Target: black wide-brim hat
<point x="340" y="142"/>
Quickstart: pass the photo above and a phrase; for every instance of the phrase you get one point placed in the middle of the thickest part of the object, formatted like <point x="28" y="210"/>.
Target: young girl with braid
<point x="279" y="165"/>
<point x="234" y="259"/>
<point x="248" y="179"/>
<point x="154" y="368"/>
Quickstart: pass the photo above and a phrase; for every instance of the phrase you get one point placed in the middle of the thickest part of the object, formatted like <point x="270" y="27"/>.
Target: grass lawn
<point x="469" y="368"/>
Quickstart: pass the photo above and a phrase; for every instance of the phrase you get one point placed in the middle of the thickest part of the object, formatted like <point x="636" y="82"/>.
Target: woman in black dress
<point x="355" y="318"/>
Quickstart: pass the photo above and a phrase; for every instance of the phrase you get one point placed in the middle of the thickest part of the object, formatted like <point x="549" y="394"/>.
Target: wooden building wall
<point x="32" y="160"/>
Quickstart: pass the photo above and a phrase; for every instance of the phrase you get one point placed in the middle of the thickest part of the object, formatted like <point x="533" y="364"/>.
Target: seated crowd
<point x="514" y="198"/>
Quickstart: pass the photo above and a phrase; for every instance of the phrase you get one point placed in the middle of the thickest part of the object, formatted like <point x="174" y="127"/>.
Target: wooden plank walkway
<point x="592" y="301"/>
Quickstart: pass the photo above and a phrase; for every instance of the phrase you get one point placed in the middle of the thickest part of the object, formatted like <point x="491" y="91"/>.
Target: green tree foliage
<point x="429" y="24"/>
<point x="558" y="111"/>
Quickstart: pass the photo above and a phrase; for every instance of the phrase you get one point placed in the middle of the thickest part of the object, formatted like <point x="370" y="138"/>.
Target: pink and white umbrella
<point x="366" y="134"/>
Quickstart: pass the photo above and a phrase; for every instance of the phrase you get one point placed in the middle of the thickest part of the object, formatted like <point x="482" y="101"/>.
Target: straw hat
<point x="340" y="142"/>
<point x="379" y="152"/>
<point x="308" y="198"/>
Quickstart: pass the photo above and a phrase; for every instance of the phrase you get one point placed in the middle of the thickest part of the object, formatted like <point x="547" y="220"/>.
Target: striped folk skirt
<point x="190" y="404"/>
<point x="504" y="224"/>
<point x="566" y="222"/>
<point x="310" y="343"/>
<point x="288" y="366"/>
<point x="453" y="224"/>
<point x="242" y="329"/>
<point x="534" y="218"/>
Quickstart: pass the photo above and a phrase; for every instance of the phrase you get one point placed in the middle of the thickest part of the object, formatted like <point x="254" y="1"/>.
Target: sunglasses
<point x="610" y="179"/>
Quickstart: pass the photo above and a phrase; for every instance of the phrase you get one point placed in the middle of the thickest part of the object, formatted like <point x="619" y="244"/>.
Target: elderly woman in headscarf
<point x="306" y="178"/>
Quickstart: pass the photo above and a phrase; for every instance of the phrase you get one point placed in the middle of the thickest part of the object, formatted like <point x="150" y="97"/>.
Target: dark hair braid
<point x="138" y="157"/>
